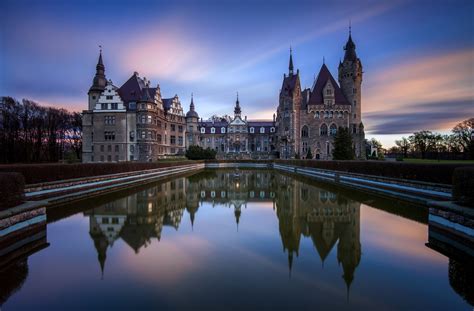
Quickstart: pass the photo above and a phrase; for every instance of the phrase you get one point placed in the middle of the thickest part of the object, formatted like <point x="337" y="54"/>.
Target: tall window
<point x="223" y="130"/>
<point x="252" y="130"/>
<point x="323" y="130"/>
<point x="213" y="130"/>
<point x="114" y="106"/>
<point x="333" y="129"/>
<point x="262" y="130"/>
<point x="304" y="131"/>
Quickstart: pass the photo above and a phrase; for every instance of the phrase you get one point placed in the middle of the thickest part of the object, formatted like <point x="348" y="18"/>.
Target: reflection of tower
<point x="289" y="223"/>
<point x="101" y="244"/>
<point x="349" y="248"/>
<point x="237" y="213"/>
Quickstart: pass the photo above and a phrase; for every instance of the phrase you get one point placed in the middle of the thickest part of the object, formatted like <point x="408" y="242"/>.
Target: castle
<point x="134" y="123"/>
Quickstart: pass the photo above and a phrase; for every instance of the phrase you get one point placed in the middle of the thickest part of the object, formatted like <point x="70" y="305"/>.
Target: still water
<point x="221" y="240"/>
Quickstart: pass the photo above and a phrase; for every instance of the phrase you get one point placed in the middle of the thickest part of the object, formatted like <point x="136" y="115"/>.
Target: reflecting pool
<point x="236" y="240"/>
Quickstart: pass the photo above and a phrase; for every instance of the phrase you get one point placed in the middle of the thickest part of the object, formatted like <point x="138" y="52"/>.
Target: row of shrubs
<point x="12" y="186"/>
<point x="39" y="173"/>
<point x="434" y="173"/>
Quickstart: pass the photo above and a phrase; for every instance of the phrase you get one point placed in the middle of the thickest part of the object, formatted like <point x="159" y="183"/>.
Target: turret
<point x="350" y="80"/>
<point x="192" y="122"/>
<point x="98" y="83"/>
<point x="237" y="110"/>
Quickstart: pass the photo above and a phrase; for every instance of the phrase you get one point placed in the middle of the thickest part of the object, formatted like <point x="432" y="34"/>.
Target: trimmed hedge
<point x="39" y="173"/>
<point x="12" y="187"/>
<point x="463" y="185"/>
<point x="434" y="173"/>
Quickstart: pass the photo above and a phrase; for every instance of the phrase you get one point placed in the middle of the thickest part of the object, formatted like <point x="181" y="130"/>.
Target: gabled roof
<point x="289" y="84"/>
<point x="167" y="103"/>
<point x="316" y="97"/>
<point x="132" y="89"/>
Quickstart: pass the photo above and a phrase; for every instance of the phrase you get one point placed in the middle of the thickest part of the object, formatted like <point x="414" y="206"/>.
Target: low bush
<point x="198" y="153"/>
<point x="435" y="173"/>
<point x="12" y="186"/>
<point x="39" y="173"/>
<point x="463" y="186"/>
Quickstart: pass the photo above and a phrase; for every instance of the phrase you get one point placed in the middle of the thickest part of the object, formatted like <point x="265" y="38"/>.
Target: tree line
<point x="33" y="133"/>
<point x="431" y="145"/>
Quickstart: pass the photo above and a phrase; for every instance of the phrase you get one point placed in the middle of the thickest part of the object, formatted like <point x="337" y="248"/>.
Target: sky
<point x="417" y="56"/>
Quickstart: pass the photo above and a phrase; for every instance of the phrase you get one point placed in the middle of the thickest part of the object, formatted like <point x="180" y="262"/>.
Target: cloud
<point x="428" y="92"/>
<point x="441" y="115"/>
<point x="164" y="52"/>
<point x="320" y="30"/>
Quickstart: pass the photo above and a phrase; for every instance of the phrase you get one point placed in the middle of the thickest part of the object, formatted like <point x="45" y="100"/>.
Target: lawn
<point x="409" y="160"/>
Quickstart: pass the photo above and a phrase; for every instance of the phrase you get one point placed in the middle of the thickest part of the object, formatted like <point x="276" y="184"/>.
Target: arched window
<point x="333" y="129"/>
<point x="304" y="131"/>
<point x="262" y="130"/>
<point x="252" y="130"/>
<point x="213" y="130"/>
<point x="316" y="115"/>
<point x="223" y="130"/>
<point x="323" y="130"/>
<point x="203" y="130"/>
<point x="272" y="129"/>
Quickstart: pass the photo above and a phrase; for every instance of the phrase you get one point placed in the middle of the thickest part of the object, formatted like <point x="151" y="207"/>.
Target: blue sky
<point x="418" y="56"/>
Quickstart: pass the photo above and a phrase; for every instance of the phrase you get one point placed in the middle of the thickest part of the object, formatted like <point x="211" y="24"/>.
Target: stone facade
<point x="309" y="118"/>
<point x="131" y="123"/>
<point x="134" y="122"/>
<point x="235" y="137"/>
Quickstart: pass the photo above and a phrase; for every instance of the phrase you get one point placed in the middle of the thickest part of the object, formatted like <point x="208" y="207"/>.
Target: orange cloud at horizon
<point x="435" y="78"/>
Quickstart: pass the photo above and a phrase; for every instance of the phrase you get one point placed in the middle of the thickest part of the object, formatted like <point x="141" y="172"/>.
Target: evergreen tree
<point x="343" y="145"/>
<point x="309" y="155"/>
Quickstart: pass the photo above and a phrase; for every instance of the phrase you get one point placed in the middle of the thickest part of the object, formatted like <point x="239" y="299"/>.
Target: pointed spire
<point x="237" y="110"/>
<point x="290" y="66"/>
<point x="99" y="82"/>
<point x="192" y="112"/>
<point x="350" y="47"/>
<point x="290" y="263"/>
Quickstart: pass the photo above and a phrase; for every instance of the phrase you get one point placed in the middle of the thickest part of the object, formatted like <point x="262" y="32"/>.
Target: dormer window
<point x="272" y="130"/>
<point x="262" y="130"/>
<point x="203" y="130"/>
<point x="213" y="130"/>
<point x="223" y="130"/>
<point x="252" y="130"/>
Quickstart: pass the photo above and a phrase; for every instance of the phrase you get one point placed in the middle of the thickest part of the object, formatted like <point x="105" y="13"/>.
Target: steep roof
<point x="289" y="84"/>
<point x="132" y="89"/>
<point x="316" y="97"/>
<point x="167" y="103"/>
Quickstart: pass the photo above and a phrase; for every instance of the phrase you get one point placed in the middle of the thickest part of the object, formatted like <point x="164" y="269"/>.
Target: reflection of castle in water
<point x="323" y="216"/>
<point x="302" y="210"/>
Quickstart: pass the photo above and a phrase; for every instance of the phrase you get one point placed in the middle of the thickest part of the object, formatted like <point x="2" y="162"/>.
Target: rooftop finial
<point x="350" y="27"/>
<point x="290" y="66"/>
<point x="324" y="60"/>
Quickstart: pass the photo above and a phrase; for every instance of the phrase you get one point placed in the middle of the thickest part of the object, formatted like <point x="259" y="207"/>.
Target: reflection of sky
<point x="417" y="57"/>
<point x="214" y="264"/>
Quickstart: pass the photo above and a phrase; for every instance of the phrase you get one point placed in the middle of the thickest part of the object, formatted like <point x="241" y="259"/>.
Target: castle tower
<point x="288" y="113"/>
<point x="350" y="80"/>
<point x="98" y="83"/>
<point x="192" y="119"/>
